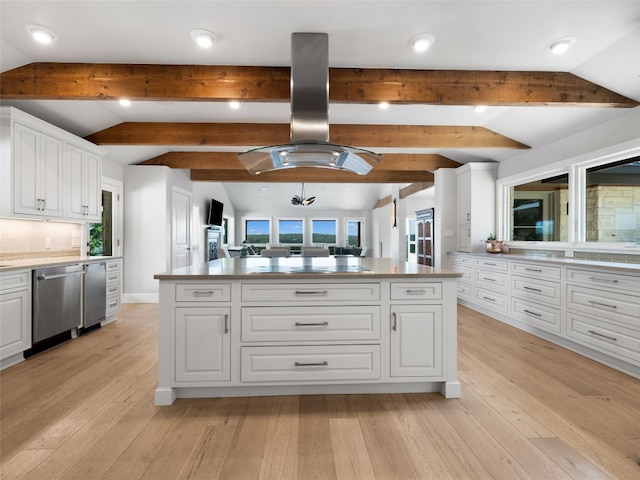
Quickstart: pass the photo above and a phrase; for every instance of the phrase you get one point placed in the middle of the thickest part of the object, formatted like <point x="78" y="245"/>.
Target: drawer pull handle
<point x="113" y="289"/>
<point x="394" y="326"/>
<point x="605" y="280"/>
<point x="490" y="299"/>
<point x="416" y="292"/>
<point x="489" y="264"/>
<point x="592" y="332"/>
<point x="489" y="279"/>
<point x="316" y="324"/>
<point x="115" y="277"/>
<point x="113" y="304"/>
<point x="532" y="313"/>
<point x="532" y="289"/>
<point x="317" y="364"/>
<point x="226" y="323"/>
<point x="593" y="302"/>
<point x="312" y="292"/>
<point x="203" y="293"/>
<point x="537" y="270"/>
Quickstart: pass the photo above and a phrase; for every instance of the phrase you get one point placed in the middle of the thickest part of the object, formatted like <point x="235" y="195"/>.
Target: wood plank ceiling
<point x="88" y="81"/>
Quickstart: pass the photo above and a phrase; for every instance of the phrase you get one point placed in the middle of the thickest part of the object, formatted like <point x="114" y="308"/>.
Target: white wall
<point x="203" y="192"/>
<point x="147" y="227"/>
<point x="112" y="170"/>
<point x="601" y="137"/>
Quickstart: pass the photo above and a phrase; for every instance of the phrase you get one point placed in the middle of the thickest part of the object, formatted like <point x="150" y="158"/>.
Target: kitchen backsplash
<point x="595" y="256"/>
<point x="24" y="239"/>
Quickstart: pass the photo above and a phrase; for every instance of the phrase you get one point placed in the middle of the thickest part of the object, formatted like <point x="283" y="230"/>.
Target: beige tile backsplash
<point x="23" y="239"/>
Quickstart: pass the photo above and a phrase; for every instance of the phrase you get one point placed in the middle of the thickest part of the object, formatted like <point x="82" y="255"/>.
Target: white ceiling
<point x="482" y="35"/>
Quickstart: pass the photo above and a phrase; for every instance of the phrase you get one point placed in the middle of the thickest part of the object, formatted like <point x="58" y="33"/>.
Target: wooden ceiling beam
<point x="311" y="175"/>
<point x="259" y="134"/>
<point x="413" y="188"/>
<point x="229" y="161"/>
<point x="98" y="81"/>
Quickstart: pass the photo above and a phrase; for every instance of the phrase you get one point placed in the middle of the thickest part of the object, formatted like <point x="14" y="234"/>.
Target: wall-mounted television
<point x="215" y="213"/>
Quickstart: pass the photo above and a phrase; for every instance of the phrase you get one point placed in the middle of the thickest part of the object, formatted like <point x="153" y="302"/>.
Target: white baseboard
<point x="140" y="298"/>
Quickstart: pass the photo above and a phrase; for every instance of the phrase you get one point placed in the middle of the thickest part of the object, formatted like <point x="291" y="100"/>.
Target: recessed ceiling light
<point x="561" y="45"/>
<point x="125" y="102"/>
<point x="235" y="105"/>
<point x="480" y="108"/>
<point x="421" y="43"/>
<point x="383" y="105"/>
<point x="41" y="34"/>
<point x="204" y="38"/>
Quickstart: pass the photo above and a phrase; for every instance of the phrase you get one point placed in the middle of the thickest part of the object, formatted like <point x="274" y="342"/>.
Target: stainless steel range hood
<point x="309" y="146"/>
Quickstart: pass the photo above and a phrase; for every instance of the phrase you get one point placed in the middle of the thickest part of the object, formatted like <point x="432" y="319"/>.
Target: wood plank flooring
<point x="529" y="410"/>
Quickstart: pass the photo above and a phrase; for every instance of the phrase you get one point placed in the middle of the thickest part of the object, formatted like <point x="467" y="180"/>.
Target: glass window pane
<point x="290" y="231"/>
<point x="323" y="231"/>
<point x="354" y="233"/>
<point x="257" y="232"/>
<point x="539" y="210"/>
<point x="101" y="234"/>
<point x="613" y="202"/>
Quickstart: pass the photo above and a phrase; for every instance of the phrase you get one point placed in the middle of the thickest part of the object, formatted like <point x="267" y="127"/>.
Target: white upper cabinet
<point x="37" y="161"/>
<point x="84" y="174"/>
<point x="46" y="171"/>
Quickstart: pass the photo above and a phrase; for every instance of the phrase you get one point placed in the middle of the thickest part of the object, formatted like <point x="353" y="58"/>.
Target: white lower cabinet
<point x="253" y="338"/>
<point x="416" y="341"/>
<point x="593" y="307"/>
<point x="15" y="316"/>
<point x="114" y="288"/>
<point x="203" y="344"/>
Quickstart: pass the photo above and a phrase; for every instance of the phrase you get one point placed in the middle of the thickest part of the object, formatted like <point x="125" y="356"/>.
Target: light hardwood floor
<point x="529" y="410"/>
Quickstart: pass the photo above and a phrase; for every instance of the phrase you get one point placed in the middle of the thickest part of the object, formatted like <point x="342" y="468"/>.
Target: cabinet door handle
<point x="468" y="216"/>
<point x="316" y="324"/>
<point x="416" y="292"/>
<point x="226" y="323"/>
<point x="605" y="280"/>
<point x="43" y="205"/>
<point x="532" y="289"/>
<point x="592" y="332"/>
<point x="394" y="325"/>
<point x="593" y="302"/>
<point x="316" y="364"/>
<point x="532" y="313"/>
<point x="312" y="292"/>
<point x="203" y="293"/>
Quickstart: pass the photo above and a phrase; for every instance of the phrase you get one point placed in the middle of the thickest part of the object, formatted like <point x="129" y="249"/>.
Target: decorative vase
<point x="494" y="246"/>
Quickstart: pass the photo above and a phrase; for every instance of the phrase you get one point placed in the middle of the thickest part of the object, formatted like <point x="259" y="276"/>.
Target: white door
<point x="180" y="228"/>
<point x="196" y="236"/>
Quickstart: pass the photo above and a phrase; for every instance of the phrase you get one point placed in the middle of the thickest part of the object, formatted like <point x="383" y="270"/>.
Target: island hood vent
<point x="309" y="146"/>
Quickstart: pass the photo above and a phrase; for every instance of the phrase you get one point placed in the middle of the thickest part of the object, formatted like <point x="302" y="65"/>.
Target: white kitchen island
<point x="250" y="326"/>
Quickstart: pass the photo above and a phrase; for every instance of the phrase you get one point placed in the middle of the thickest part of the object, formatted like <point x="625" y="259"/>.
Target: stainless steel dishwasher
<point x="94" y="296"/>
<point x="57" y="306"/>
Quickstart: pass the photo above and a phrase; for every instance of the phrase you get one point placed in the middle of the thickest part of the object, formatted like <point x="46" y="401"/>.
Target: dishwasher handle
<point x="59" y="275"/>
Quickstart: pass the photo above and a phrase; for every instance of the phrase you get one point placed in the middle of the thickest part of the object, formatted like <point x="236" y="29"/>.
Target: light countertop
<point x="291" y="268"/>
<point x="631" y="267"/>
<point x="34" y="263"/>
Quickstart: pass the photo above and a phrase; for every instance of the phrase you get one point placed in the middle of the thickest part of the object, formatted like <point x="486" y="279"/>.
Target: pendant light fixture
<point x="301" y="200"/>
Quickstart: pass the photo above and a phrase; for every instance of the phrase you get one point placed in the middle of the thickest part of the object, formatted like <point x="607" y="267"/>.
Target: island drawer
<point x="275" y="324"/>
<point x="203" y="292"/>
<point x="310" y="363"/>
<point x="301" y="292"/>
<point x="412" y="291"/>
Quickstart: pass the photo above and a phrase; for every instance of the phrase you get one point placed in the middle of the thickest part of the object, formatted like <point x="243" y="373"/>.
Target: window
<point x="612" y="203"/>
<point x="291" y="231"/>
<point x="323" y="231"/>
<point x="539" y="210"/>
<point x="257" y="232"/>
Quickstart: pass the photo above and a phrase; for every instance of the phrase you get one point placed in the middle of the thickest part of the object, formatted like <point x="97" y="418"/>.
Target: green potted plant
<point x="493" y="245"/>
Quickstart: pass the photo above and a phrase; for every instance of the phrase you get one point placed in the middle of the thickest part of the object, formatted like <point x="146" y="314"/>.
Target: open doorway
<point x="104" y="238"/>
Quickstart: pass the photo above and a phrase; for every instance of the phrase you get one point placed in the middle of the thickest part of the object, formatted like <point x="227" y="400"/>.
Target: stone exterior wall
<point x="613" y="214"/>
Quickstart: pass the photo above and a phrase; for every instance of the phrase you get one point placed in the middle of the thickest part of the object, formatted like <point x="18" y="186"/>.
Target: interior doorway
<point x="105" y="238"/>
